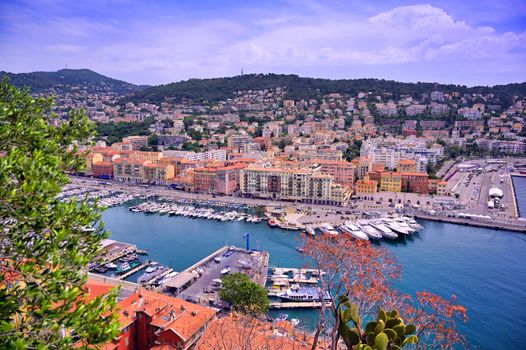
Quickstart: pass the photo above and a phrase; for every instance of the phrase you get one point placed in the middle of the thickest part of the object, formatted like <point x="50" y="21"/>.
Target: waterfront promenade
<point x="334" y="214"/>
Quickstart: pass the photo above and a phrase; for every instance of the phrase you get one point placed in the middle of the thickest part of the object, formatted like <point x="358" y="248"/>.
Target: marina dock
<point x="298" y="305"/>
<point x="132" y="271"/>
<point x="201" y="282"/>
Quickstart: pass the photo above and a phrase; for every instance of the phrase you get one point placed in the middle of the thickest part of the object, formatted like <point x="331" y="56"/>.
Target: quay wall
<point x="519" y="227"/>
<point x="207" y="259"/>
<point x="515" y="200"/>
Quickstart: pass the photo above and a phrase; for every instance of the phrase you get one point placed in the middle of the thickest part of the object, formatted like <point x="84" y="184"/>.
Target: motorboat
<point x="111" y="266"/>
<point x="225" y="271"/>
<point x="385" y="231"/>
<point x="355" y="231"/>
<point x="395" y="227"/>
<point x="150" y="269"/>
<point x="310" y="231"/>
<point x="370" y="231"/>
<point x="298" y="293"/>
<point x="282" y="317"/>
<point x="294" y="322"/>
<point x="402" y="223"/>
<point x="328" y="229"/>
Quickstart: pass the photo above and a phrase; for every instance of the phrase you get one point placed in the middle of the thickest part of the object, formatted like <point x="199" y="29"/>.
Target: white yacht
<point x="355" y="231"/>
<point x="393" y="225"/>
<point x="385" y="231"/>
<point x="328" y="229"/>
<point x="297" y="293"/>
<point x="310" y="231"/>
<point x="369" y="230"/>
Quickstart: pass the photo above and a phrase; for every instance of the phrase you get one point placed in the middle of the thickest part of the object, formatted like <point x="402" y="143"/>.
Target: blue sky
<point x="468" y="42"/>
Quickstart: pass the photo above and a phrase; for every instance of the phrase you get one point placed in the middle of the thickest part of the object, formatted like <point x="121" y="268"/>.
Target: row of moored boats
<point x="192" y="212"/>
<point x="386" y="227"/>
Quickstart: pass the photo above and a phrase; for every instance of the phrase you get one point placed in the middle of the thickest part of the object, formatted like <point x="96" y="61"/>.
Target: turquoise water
<point x="519" y="183"/>
<point x="484" y="268"/>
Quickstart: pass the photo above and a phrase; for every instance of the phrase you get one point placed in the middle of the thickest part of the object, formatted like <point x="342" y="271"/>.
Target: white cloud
<point x="163" y="47"/>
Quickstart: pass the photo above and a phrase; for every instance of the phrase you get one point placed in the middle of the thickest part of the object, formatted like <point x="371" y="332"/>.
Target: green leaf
<point x="379" y="327"/>
<point x="380" y="341"/>
<point x="370" y="326"/>
<point x="390" y="333"/>
<point x="410" y="329"/>
<point x="399" y="329"/>
<point x="413" y="339"/>
<point x="381" y="315"/>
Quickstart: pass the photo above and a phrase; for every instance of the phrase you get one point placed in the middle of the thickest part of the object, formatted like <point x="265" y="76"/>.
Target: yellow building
<point x="92" y="158"/>
<point x="391" y="182"/>
<point x="441" y="188"/>
<point x="366" y="186"/>
<point x="158" y="174"/>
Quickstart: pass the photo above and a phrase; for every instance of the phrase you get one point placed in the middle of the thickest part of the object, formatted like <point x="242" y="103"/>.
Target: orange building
<point x="406" y="166"/>
<point x="366" y="185"/>
<point x="150" y="320"/>
<point x="103" y="170"/>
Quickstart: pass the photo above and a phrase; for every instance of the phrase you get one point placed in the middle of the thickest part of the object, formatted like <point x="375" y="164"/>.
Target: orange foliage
<point x="365" y="274"/>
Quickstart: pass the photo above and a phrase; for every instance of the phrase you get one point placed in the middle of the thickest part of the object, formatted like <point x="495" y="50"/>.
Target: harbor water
<point x="484" y="268"/>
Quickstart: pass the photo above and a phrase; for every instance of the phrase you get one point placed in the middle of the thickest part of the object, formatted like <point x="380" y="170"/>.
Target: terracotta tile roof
<point x="168" y="313"/>
<point x="237" y="332"/>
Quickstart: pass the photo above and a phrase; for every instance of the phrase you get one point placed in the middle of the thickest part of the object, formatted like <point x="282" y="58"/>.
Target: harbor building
<point x="406" y="166"/>
<point x="139" y="171"/>
<point x="415" y="182"/>
<point x="437" y="187"/>
<point x="366" y="186"/>
<point x="150" y="320"/>
<point x="217" y="178"/>
<point x="342" y="171"/>
<point x="389" y="151"/>
<point x="103" y="170"/>
<point x="391" y="181"/>
<point x="300" y="184"/>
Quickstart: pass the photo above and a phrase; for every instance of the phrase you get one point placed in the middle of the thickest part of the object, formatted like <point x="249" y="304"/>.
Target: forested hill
<point x="70" y="79"/>
<point x="217" y="89"/>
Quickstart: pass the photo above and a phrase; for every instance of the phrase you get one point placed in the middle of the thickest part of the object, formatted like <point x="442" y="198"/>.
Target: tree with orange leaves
<point x="364" y="275"/>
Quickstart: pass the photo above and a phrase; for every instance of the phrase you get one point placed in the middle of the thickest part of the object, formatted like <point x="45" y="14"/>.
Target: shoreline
<point x="468" y="222"/>
<point x="519" y="227"/>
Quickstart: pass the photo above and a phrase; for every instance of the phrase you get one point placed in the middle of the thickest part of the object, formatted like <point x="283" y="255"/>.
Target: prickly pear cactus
<point x="387" y="332"/>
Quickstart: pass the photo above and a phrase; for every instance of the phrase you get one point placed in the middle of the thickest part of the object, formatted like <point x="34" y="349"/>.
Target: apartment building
<point x="342" y="171"/>
<point x="103" y="170"/>
<point x="150" y="320"/>
<point x="391" y="181"/>
<point x="366" y="186"/>
<point x="406" y="166"/>
<point x="415" y="182"/>
<point x="158" y="174"/>
<point x="300" y="184"/>
<point x="389" y="151"/>
<point x="136" y="142"/>
<point x="138" y="171"/>
<point x="438" y="187"/>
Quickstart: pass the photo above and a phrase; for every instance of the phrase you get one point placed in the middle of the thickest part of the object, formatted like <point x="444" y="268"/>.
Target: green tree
<point x="245" y="295"/>
<point x="44" y="244"/>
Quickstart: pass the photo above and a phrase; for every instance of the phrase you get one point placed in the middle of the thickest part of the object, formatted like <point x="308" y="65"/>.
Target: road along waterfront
<point x="482" y="267"/>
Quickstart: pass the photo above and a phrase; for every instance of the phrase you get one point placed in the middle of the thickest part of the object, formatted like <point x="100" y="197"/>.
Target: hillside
<point x="68" y="79"/>
<point x="217" y="89"/>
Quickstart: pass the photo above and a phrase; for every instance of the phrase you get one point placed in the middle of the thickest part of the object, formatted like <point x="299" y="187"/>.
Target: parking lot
<point x="206" y="287"/>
